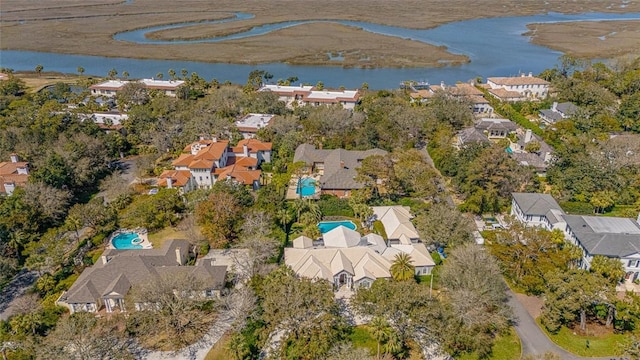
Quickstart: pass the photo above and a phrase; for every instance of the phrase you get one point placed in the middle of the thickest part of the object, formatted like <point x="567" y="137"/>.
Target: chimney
<point x="214" y="139"/>
<point x="442" y="85"/>
<point x="527" y="136"/>
<point x="245" y="150"/>
<point x="9" y="187"/>
<point x="179" y="256"/>
<point x="341" y="164"/>
<point x="105" y="259"/>
<point x="555" y="106"/>
<point x="530" y="74"/>
<point x="169" y="183"/>
<point x="15" y="158"/>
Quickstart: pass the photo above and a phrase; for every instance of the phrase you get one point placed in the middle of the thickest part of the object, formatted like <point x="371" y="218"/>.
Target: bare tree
<point x="50" y="201"/>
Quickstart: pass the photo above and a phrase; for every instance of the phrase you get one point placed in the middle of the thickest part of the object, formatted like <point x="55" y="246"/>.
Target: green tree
<point x="572" y="295"/>
<point x="112" y="73"/>
<point x="402" y="268"/>
<point x="39" y="69"/>
<point x="80" y="70"/>
<point x="381" y="331"/>
<point x="443" y="225"/>
<point x="609" y="268"/>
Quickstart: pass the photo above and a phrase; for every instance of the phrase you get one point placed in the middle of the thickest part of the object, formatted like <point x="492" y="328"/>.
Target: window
<point x="200" y="178"/>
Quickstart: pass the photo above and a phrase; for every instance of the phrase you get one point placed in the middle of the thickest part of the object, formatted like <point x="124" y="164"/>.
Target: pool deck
<point x="291" y="190"/>
<point x="146" y="244"/>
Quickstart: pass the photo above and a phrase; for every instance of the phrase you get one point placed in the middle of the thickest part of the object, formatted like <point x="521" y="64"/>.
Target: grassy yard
<point x="159" y="237"/>
<point x="605" y="345"/>
<point x="360" y="337"/>
<point x="218" y="351"/>
<point x="505" y="348"/>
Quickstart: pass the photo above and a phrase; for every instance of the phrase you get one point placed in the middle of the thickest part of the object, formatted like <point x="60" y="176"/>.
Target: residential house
<point x="336" y="168"/>
<point x="506" y="95"/>
<point x="397" y="224"/>
<point x="540" y="210"/>
<point x="208" y="161"/>
<point x="106" y="284"/>
<point x="480" y="104"/>
<point x="251" y="123"/>
<point x="111" y="87"/>
<point x="613" y="237"/>
<point x="529" y="87"/>
<point x="108" y="121"/>
<point x="308" y="95"/>
<point x="13" y="174"/>
<point x="525" y="155"/>
<point x="343" y="257"/>
<point x="558" y="111"/>
<point x="495" y="128"/>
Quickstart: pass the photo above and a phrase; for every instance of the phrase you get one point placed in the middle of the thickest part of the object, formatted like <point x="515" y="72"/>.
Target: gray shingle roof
<point x="608" y="236"/>
<point x="127" y="268"/>
<point x="536" y="204"/>
<point x="339" y="164"/>
<point x="566" y="108"/>
<point x="550" y="115"/>
<point x="472" y="135"/>
<point x="496" y="124"/>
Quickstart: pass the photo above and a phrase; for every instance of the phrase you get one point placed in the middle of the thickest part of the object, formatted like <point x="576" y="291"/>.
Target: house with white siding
<point x="528" y="86"/>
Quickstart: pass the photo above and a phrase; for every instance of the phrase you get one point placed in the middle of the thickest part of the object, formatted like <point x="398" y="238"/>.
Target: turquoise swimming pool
<point x="126" y="241"/>
<point x="306" y="187"/>
<point x="326" y="226"/>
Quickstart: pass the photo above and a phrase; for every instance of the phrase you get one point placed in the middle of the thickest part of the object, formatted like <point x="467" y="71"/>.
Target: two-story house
<point x="309" y="95"/>
<point x="540" y="210"/>
<point x="208" y="160"/>
<point x="529" y="87"/>
<point x="557" y="112"/>
<point x="110" y="88"/>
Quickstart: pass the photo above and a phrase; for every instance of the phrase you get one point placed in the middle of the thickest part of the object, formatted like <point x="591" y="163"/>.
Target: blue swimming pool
<point x="306" y="187"/>
<point x="126" y="241"/>
<point x="326" y="226"/>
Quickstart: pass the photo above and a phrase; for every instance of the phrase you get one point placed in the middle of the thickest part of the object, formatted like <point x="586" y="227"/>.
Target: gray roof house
<point x="539" y="159"/>
<point x="106" y="283"/>
<point x="558" y="112"/>
<point x="337" y="168"/>
<point x="613" y="237"/>
<point x="534" y="209"/>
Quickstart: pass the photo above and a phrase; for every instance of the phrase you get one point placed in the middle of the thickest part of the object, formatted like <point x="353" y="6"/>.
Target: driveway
<point x="533" y="340"/>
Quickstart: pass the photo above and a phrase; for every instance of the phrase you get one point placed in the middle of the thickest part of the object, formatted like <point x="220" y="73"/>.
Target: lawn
<point x="159" y="237"/>
<point x="361" y="338"/>
<point x="218" y="351"/>
<point x="505" y="348"/>
<point x="605" y="345"/>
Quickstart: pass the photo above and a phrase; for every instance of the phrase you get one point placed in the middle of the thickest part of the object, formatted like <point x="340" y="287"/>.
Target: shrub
<point x="333" y="206"/>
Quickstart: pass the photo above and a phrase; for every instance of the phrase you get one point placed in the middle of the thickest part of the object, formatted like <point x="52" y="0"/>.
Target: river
<point x="495" y="46"/>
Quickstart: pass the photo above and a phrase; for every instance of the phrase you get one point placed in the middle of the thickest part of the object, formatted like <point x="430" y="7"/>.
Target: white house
<point x="540" y="210"/>
<point x="210" y="160"/>
<point x="613" y="237"/>
<point x="530" y="87"/>
<point x="343" y="257"/>
<point x="308" y="95"/>
<point x="251" y="123"/>
<point x="110" y="88"/>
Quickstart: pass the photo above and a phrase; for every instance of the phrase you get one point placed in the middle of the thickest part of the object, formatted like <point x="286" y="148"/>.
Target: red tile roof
<point x="180" y="177"/>
<point x="254" y="146"/>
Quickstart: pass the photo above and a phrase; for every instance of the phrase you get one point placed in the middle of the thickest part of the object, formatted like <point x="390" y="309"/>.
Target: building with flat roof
<point x="309" y="95"/>
<point x="110" y="88"/>
<point x="251" y="123"/>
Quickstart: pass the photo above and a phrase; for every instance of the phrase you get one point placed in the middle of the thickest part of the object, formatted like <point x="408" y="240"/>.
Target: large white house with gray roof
<point x="106" y="284"/>
<point x="613" y="237"/>
<point x="540" y="210"/>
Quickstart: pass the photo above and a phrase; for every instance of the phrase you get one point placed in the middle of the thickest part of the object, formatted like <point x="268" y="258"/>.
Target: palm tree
<point x="125" y="74"/>
<point x="284" y="217"/>
<point x="299" y="206"/>
<point x="80" y="70"/>
<point x="380" y="330"/>
<point x="172" y="74"/>
<point x="402" y="269"/>
<point x="39" y="69"/>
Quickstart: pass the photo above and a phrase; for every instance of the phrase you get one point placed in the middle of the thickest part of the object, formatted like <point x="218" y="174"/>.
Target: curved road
<point x="533" y="340"/>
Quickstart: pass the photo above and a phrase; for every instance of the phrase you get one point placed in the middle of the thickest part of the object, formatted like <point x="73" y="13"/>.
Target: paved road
<point x="533" y="340"/>
<point x="13" y="291"/>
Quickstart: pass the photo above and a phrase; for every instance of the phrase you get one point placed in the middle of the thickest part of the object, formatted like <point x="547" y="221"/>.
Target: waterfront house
<point x="110" y="88"/>
<point x="529" y="87"/>
<point x="309" y="95"/>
